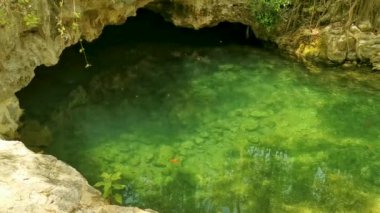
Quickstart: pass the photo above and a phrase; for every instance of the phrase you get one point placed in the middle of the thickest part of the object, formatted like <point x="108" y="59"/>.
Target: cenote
<point x="208" y="121"/>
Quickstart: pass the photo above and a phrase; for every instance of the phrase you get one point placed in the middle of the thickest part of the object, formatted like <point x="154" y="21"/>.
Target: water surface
<point x="219" y="128"/>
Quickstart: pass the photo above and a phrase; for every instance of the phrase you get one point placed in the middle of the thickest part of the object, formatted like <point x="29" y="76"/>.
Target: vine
<point x="62" y="30"/>
<point x="60" y="27"/>
<point x="323" y="12"/>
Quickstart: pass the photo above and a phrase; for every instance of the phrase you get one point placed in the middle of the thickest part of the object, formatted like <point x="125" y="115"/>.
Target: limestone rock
<point x="336" y="51"/>
<point x="40" y="183"/>
<point x="203" y="13"/>
<point x="336" y="45"/>
<point x="365" y="26"/>
<point x="9" y="110"/>
<point x="23" y="47"/>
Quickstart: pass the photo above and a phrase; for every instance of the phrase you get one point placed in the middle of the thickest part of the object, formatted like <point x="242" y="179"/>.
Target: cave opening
<point x="147" y="31"/>
<point x="139" y="67"/>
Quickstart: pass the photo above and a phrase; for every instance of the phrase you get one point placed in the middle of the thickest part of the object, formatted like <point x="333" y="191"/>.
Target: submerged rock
<point x="33" y="182"/>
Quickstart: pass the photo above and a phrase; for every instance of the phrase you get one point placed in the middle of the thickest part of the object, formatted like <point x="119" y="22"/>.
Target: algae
<point x="248" y="131"/>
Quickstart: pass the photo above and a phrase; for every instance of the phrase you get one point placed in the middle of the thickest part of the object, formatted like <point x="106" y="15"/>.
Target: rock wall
<point x="40" y="183"/>
<point x="25" y="46"/>
<point x="197" y="14"/>
<point x="333" y="42"/>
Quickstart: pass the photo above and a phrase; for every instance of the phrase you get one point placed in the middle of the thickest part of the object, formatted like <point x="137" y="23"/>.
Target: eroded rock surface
<point x="40" y="183"/>
<point x="334" y="44"/>
<point x="24" y="47"/>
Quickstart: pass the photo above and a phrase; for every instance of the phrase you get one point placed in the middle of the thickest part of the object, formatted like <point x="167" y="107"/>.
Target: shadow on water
<point x="354" y="118"/>
<point x="177" y="195"/>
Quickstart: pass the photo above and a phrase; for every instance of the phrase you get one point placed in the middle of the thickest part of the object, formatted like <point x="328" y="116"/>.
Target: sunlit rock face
<point x="204" y="13"/>
<point x="40" y="183"/>
<point x="333" y="43"/>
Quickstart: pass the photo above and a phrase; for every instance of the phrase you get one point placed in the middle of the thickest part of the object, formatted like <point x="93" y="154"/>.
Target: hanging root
<point x="317" y="12"/>
<point x="351" y="13"/>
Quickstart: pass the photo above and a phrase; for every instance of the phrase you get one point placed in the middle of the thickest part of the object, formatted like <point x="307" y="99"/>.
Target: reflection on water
<point x="212" y="129"/>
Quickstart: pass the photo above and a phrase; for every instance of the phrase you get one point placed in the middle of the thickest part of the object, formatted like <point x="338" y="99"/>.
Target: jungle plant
<point x="267" y="12"/>
<point x="60" y="27"/>
<point x="30" y="17"/>
<point x="31" y="20"/>
<point x="110" y="186"/>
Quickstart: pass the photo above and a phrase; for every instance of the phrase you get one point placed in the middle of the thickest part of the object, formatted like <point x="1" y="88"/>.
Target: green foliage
<point x="267" y="11"/>
<point x="31" y="20"/>
<point x="110" y="186"/>
<point x="30" y="17"/>
<point x="3" y="16"/>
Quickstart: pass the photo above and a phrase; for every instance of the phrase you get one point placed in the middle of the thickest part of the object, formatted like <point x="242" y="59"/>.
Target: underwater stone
<point x="166" y="153"/>
<point x="204" y="135"/>
<point x="198" y="141"/>
<point x="249" y="125"/>
<point x="135" y="161"/>
<point x="188" y="144"/>
<point x="260" y="114"/>
<point x="149" y="157"/>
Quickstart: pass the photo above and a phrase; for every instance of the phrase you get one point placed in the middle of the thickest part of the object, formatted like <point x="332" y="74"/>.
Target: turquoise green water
<point x="212" y="129"/>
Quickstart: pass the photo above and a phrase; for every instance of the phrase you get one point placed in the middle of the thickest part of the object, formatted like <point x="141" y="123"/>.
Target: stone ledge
<point x="31" y="182"/>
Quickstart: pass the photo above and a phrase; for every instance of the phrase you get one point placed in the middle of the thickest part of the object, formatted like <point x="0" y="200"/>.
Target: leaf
<point x="118" y="198"/>
<point x="74" y="26"/>
<point x="107" y="190"/>
<point x="118" y="186"/>
<point x="98" y="184"/>
<point x="116" y="176"/>
<point x="76" y="14"/>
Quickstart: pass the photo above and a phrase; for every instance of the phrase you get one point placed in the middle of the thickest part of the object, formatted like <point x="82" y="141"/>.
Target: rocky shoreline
<point x="32" y="182"/>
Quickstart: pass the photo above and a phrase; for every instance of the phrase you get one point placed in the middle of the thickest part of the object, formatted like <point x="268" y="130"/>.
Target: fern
<point x="110" y="186"/>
